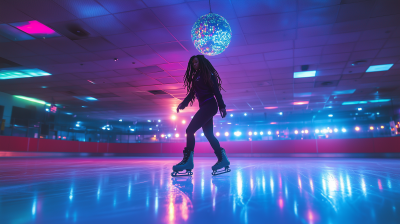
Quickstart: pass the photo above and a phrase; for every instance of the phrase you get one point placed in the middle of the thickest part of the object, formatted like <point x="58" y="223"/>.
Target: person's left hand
<point x="222" y="111"/>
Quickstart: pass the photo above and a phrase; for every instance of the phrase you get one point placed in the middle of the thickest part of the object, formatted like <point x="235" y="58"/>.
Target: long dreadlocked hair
<point x="206" y="69"/>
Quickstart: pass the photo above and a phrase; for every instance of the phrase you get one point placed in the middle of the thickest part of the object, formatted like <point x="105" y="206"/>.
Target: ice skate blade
<point x="177" y="174"/>
<point x="216" y="172"/>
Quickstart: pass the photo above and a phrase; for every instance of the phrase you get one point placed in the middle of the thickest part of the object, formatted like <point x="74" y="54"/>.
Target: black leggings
<point x="203" y="119"/>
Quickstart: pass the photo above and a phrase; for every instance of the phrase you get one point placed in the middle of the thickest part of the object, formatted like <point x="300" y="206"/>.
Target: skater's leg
<point x="208" y="129"/>
<point x="205" y="113"/>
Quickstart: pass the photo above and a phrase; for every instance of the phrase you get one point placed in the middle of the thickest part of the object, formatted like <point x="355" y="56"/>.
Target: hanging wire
<point x="209" y="3"/>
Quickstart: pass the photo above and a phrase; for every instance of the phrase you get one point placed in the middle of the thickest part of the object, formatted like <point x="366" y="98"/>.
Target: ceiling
<point x="271" y="40"/>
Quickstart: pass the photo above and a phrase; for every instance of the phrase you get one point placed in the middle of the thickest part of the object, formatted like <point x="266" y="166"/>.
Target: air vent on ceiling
<point x="4" y="63"/>
<point x="71" y="93"/>
<point x="78" y="30"/>
<point x="157" y="92"/>
<point x="326" y="83"/>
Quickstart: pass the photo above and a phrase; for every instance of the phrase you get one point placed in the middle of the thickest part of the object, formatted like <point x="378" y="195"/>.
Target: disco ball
<point x="211" y="34"/>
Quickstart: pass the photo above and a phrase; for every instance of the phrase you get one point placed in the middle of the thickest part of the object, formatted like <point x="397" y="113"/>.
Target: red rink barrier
<point x="359" y="145"/>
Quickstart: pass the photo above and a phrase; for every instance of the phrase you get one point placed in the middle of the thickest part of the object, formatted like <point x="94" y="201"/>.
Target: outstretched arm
<point x="185" y="102"/>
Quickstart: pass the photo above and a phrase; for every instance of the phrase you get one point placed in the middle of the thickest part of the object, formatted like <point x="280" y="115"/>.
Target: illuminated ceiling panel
<point x="36" y="29"/>
<point x="22" y="73"/>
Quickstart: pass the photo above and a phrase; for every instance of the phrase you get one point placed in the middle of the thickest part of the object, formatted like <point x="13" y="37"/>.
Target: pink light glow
<point x="230" y="110"/>
<point x="273" y="123"/>
<point x="281" y="203"/>
<point x="34" y="27"/>
<point x="300" y="103"/>
<point x="270" y="108"/>
<point x="380" y="184"/>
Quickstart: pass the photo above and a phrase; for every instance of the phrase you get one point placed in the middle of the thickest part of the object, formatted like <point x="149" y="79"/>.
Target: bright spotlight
<point x="261" y="133"/>
<point x="159" y="120"/>
<point x="173" y="117"/>
<point x="237" y="133"/>
<point x="344" y="130"/>
<point x="382" y="127"/>
<point x="359" y="108"/>
<point x="269" y="133"/>
<point x="277" y="132"/>
<point x="148" y="120"/>
<point x="306" y="131"/>
<point x="77" y="125"/>
<point x="280" y="113"/>
<point x="162" y="135"/>
<point x="217" y="134"/>
<point x="169" y="135"/>
<point x="330" y="115"/>
<point x="226" y="133"/>
<point x="316" y="131"/>
<point x="296" y="132"/>
<point x="120" y="120"/>
<point x="183" y="122"/>
<point x="132" y="129"/>
<point x="250" y="133"/>
<point x="150" y="129"/>
<point x="336" y="130"/>
<point x="177" y="135"/>
<point x="371" y="128"/>
<point x="231" y="115"/>
<point x="245" y="114"/>
<point x="202" y="134"/>
<point x="104" y="128"/>
<point x="357" y="128"/>
<point x="255" y="133"/>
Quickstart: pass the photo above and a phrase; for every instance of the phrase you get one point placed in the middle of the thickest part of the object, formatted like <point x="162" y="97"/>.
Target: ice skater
<point x="202" y="81"/>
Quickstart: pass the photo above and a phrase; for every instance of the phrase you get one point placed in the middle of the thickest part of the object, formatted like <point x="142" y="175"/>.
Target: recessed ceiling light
<point x="300" y="103"/>
<point x="270" y="108"/>
<point x="35" y="29"/>
<point x="305" y="74"/>
<point x="378" y="68"/>
<point x="341" y="92"/>
<point x="379" y="101"/>
<point x="22" y="73"/>
<point x="354" y="102"/>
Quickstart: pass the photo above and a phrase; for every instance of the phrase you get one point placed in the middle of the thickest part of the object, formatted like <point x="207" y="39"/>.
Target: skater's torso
<point x="202" y="90"/>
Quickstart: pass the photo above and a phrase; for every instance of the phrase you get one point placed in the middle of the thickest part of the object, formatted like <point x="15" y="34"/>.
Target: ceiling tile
<point x="115" y="6"/>
<point x="134" y="20"/>
<point x="106" y="25"/>
<point x="175" y="15"/>
<point x="320" y="16"/>
<point x="83" y="8"/>
<point x="155" y="36"/>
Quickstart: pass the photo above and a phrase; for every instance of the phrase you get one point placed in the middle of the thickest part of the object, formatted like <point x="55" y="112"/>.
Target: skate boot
<point x="222" y="162"/>
<point x="185" y="164"/>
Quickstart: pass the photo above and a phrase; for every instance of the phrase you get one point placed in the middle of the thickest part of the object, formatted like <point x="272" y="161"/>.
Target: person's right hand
<point x="180" y="107"/>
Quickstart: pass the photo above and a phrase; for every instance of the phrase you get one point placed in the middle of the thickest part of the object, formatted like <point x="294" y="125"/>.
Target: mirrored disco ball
<point x="211" y="34"/>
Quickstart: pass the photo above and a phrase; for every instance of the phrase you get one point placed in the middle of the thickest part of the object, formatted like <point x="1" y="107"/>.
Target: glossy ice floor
<point x="141" y="190"/>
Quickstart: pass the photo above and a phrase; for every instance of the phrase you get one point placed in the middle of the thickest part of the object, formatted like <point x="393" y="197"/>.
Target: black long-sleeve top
<point x="204" y="92"/>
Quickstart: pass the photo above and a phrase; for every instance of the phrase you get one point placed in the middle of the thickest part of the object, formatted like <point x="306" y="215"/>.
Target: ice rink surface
<point x="141" y="190"/>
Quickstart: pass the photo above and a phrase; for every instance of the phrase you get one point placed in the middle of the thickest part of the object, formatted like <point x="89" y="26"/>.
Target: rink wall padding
<point x="359" y="145"/>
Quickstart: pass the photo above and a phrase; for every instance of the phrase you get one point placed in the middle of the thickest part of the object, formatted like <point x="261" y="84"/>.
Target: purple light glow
<point x="35" y="28"/>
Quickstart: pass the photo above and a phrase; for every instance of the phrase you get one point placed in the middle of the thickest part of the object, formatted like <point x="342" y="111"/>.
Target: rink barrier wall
<point x="359" y="145"/>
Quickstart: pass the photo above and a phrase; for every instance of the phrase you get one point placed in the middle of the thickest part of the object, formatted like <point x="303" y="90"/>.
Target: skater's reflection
<point x="220" y="190"/>
<point x="180" y="199"/>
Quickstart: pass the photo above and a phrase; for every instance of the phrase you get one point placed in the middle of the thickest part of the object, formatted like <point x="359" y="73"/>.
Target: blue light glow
<point x="302" y="94"/>
<point x="120" y="120"/>
<point x="378" y="68"/>
<point x="91" y="98"/>
<point x="354" y="102"/>
<point x="330" y="115"/>
<point x="359" y="108"/>
<point x="341" y="92"/>
<point x="379" y="101"/>
<point x="305" y="74"/>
